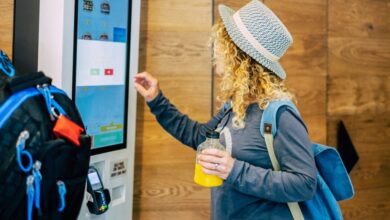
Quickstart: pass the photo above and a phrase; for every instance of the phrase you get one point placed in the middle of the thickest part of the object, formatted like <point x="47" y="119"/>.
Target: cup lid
<point x="212" y="134"/>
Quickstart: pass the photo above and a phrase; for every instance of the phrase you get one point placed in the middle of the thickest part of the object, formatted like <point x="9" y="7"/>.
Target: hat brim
<point x="226" y="14"/>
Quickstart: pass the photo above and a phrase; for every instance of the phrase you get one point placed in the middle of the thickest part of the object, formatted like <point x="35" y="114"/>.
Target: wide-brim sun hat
<point x="257" y="31"/>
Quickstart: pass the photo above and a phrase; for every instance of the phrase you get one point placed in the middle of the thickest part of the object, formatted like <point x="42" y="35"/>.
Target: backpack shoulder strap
<point x="268" y="128"/>
<point x="6" y="66"/>
<point x="226" y="106"/>
<point x="18" y="98"/>
<point x="268" y="119"/>
<point x="25" y="81"/>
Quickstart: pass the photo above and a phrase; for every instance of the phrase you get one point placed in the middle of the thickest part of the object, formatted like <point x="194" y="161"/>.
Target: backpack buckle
<point x="267" y="128"/>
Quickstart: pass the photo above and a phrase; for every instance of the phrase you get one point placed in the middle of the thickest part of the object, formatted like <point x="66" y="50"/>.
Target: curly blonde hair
<point x="244" y="80"/>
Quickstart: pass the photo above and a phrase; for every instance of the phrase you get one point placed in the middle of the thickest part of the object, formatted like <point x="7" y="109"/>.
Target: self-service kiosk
<point x="90" y="49"/>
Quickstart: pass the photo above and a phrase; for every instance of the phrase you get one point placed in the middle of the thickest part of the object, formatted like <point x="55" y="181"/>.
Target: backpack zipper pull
<point x="30" y="196"/>
<point x="62" y="193"/>
<point x="20" y="151"/>
<point x="45" y="92"/>
<point x="23" y="136"/>
<point x="37" y="183"/>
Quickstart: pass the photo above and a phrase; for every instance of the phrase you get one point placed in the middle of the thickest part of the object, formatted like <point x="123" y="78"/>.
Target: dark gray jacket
<point x="252" y="190"/>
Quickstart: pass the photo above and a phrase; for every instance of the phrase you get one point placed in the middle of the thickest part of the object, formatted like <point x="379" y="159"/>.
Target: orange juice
<point x="206" y="179"/>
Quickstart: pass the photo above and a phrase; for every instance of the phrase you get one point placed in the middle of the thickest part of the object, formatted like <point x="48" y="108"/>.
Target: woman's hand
<point x="216" y="162"/>
<point x="146" y="85"/>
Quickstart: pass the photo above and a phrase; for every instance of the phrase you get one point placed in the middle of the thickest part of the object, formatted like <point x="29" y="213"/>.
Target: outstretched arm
<point x="180" y="126"/>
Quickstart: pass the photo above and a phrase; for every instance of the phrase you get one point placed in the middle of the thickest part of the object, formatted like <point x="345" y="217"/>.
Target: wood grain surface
<point x="301" y="16"/>
<point x="356" y="95"/>
<point x="359" y="95"/>
<point x="306" y="56"/>
<point x="174" y="48"/>
<point x="354" y="56"/>
<point x="359" y="18"/>
<point x="368" y="204"/>
<point x="369" y="134"/>
<point x="6" y="26"/>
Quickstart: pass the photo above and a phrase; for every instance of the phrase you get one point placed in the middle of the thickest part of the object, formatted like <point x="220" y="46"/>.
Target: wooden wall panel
<point x="6" y="26"/>
<point x="359" y="18"/>
<point x="359" y="94"/>
<point x="174" y="48"/>
<point x="301" y="16"/>
<point x="368" y="204"/>
<point x="305" y="62"/>
<point x="316" y="124"/>
<point x="370" y="136"/>
<point x="306" y="56"/>
<point x="355" y="56"/>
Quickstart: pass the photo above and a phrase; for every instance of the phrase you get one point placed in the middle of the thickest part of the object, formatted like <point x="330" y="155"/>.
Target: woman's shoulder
<point x="288" y="118"/>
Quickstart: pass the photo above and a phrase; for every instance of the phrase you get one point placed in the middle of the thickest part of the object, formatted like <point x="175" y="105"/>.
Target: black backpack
<point x="44" y="151"/>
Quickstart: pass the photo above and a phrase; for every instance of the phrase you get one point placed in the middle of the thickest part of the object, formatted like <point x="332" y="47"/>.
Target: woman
<point x="247" y="46"/>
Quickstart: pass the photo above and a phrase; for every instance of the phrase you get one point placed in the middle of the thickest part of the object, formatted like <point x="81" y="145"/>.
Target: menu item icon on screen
<point x="103" y="37"/>
<point x="86" y="36"/>
<point x="88" y="5"/>
<point x="108" y="72"/>
<point x="105" y="7"/>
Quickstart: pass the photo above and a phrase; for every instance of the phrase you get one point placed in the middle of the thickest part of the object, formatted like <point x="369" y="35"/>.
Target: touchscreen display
<point x="101" y="68"/>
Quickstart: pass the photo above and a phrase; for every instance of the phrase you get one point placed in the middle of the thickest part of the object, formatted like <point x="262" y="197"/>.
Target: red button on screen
<point x="109" y="72"/>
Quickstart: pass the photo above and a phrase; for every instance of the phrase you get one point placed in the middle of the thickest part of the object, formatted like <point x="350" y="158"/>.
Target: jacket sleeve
<point x="297" y="179"/>
<point x="180" y="126"/>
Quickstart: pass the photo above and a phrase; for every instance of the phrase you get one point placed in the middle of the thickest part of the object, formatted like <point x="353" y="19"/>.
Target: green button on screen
<point x="111" y="138"/>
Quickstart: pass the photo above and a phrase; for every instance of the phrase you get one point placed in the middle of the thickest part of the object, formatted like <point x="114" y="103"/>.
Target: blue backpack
<point x="333" y="182"/>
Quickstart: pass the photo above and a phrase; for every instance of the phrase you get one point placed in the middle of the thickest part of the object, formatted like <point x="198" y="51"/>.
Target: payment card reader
<point x="100" y="197"/>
